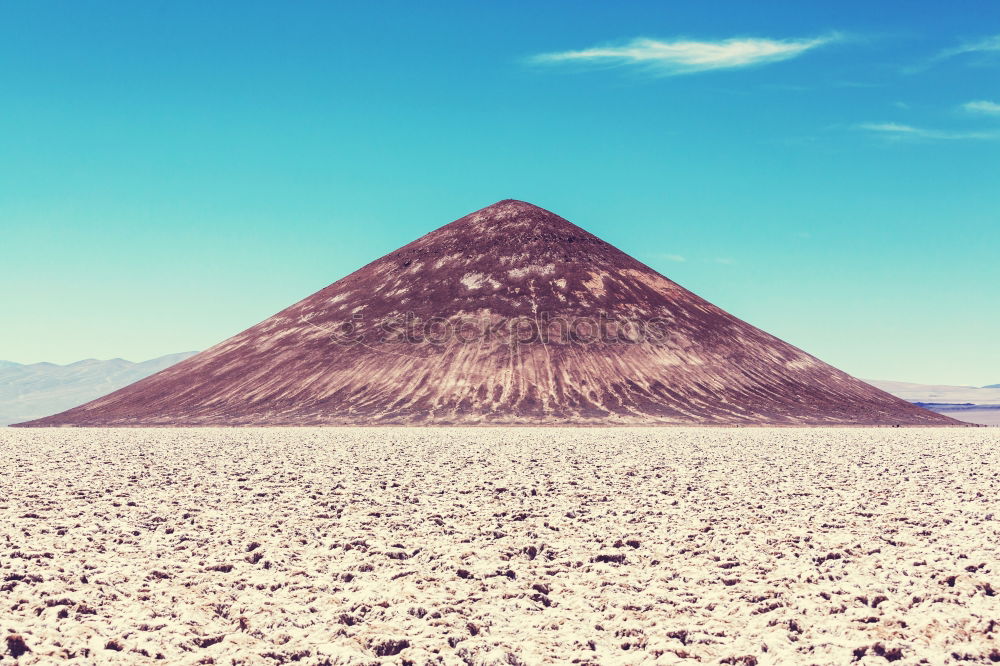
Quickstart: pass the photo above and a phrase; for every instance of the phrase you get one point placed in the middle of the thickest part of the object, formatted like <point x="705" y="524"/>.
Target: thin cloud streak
<point x="671" y="57"/>
<point x="986" y="45"/>
<point x="889" y="127"/>
<point x="899" y="131"/>
<point x="983" y="106"/>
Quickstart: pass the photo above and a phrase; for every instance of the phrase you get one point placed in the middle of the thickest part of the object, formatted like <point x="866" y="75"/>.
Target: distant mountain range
<point x="966" y="403"/>
<point x="29" y="391"/>
<point x="39" y="389"/>
<point x="940" y="393"/>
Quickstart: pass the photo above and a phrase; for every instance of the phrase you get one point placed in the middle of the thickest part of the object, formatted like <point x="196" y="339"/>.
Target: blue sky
<point x="173" y="172"/>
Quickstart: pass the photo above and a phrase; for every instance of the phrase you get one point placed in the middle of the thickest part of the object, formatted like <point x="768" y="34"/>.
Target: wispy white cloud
<point x="985" y="48"/>
<point x="894" y="128"/>
<point x="857" y="84"/>
<point x="681" y="56"/>
<point x="985" y="45"/>
<point x="983" y="106"/>
<point x="899" y="131"/>
<point x="673" y="257"/>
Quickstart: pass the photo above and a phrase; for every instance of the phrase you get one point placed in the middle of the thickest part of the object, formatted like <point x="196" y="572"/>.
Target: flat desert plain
<point x="500" y="546"/>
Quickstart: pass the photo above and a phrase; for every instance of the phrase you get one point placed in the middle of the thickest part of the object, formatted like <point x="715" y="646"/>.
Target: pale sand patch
<point x="500" y="546"/>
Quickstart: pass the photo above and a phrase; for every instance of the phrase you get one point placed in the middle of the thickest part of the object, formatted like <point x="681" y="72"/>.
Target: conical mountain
<point x="509" y="315"/>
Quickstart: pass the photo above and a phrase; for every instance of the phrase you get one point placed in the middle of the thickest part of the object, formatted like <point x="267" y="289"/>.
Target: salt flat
<point x="500" y="546"/>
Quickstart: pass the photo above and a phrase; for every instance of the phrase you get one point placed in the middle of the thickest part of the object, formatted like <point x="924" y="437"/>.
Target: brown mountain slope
<point x="509" y="315"/>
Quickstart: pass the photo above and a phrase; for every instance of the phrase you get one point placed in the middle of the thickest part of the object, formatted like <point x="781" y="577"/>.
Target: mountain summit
<point x="509" y="315"/>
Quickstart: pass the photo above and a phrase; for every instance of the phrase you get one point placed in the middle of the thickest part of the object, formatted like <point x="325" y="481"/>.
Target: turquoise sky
<point x="173" y="172"/>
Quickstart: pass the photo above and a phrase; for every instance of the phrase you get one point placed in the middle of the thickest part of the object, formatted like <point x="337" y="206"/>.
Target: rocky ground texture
<point x="500" y="546"/>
